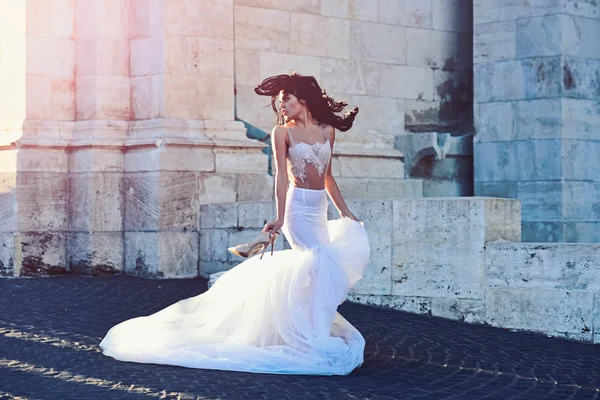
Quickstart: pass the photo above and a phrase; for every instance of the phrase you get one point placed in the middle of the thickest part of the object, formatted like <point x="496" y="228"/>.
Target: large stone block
<point x="458" y="229"/>
<point x="464" y="310"/>
<point x="42" y="201"/>
<point x="377" y="42"/>
<point x="41" y="254"/>
<point x="97" y="253"/>
<point x="543" y="266"/>
<point x="499" y="81"/>
<point x="394" y="188"/>
<point x="238" y="161"/>
<point x="209" y="19"/>
<point x="580" y="78"/>
<point x="580" y="159"/>
<point x="502" y="10"/>
<point x="541" y="231"/>
<point x="246" y="72"/>
<point x="306" y="7"/>
<point x="218" y="216"/>
<point x="541" y="201"/>
<point x="255" y="110"/>
<point x="7" y="253"/>
<point x="50" y="56"/>
<point x="255" y="214"/>
<point x="557" y="312"/>
<point x="539" y="36"/>
<point x="102" y="97"/>
<point x="581" y="201"/>
<point x="95" y="202"/>
<point x="103" y="56"/>
<point x="162" y="254"/>
<point x="367" y="167"/>
<point x="447" y="188"/>
<point x="535" y="160"/>
<point x="579" y="35"/>
<point x="185" y="97"/>
<point x="496" y="189"/>
<point x="8" y="202"/>
<point x="334" y="73"/>
<point x="270" y="63"/>
<point x="213" y="245"/>
<point x="580" y="118"/>
<point x="190" y="55"/>
<point x="218" y="188"/>
<point x="494" y="41"/>
<point x="408" y="82"/>
<point x="582" y="232"/>
<point x="406" y="13"/>
<point x="588" y="9"/>
<point x="360" y="10"/>
<point x="262" y="29"/>
<point x="175" y="158"/>
<point x="435" y="49"/>
<point x="308" y="31"/>
<point x="147" y="55"/>
<point x="492" y="161"/>
<point x="538" y="119"/>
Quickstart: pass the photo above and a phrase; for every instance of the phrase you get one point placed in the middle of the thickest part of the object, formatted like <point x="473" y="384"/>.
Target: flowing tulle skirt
<point x="275" y="315"/>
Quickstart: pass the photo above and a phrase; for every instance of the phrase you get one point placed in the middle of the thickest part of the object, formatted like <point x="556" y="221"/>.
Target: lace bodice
<point x="300" y="154"/>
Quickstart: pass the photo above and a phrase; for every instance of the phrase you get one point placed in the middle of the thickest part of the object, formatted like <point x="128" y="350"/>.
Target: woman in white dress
<point x="276" y="314"/>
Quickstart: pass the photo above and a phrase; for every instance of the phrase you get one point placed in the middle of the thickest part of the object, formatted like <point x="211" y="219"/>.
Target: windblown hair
<point x="322" y="106"/>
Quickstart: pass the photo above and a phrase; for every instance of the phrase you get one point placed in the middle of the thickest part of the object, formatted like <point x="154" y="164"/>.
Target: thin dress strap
<point x="289" y="133"/>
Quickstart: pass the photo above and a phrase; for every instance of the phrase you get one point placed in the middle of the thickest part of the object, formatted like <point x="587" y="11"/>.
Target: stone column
<point x="183" y="146"/>
<point x="537" y="113"/>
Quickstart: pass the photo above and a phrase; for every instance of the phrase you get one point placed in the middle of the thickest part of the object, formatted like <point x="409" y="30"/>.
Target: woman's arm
<point x="280" y="146"/>
<point x="331" y="185"/>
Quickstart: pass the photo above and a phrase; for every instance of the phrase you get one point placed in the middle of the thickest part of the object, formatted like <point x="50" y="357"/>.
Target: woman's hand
<point x="348" y="214"/>
<point x="273" y="226"/>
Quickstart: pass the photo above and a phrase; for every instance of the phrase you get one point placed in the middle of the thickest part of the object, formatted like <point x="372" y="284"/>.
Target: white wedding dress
<point x="275" y="315"/>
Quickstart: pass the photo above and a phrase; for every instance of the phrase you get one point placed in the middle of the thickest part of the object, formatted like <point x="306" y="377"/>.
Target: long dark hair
<point x="322" y="106"/>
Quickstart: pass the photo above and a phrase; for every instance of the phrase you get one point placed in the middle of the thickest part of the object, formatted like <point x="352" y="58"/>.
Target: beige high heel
<point x="261" y="242"/>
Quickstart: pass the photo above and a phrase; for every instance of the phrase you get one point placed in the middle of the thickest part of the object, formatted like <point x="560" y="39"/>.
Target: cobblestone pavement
<point x="50" y="329"/>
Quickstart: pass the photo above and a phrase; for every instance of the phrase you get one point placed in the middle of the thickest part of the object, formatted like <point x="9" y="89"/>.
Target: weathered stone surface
<point x="539" y="36"/>
<point x="580" y="78"/>
<point x="538" y="119"/>
<point x="394" y="188"/>
<point x="218" y="216"/>
<point x="377" y="279"/>
<point x="95" y="202"/>
<point x="579" y="158"/>
<point x="579" y="118"/>
<point x="213" y="245"/>
<point x="377" y="42"/>
<point x="162" y="254"/>
<point x="361" y="10"/>
<point x="95" y="160"/>
<point x="436" y="49"/>
<point x="161" y="158"/>
<point x="141" y="200"/>
<point x="308" y="31"/>
<point x="452" y="15"/>
<point x="255" y="215"/>
<point x="42" y="201"/>
<point x="212" y="19"/>
<point x="98" y="253"/>
<point x="234" y="161"/>
<point x="579" y="33"/>
<point x="582" y="232"/>
<point x="408" y="82"/>
<point x="447" y="188"/>
<point x="458" y="230"/>
<point x="471" y="311"/>
<point x="541" y="201"/>
<point x="41" y="254"/>
<point x="581" y="201"/>
<point x="262" y="29"/>
<point x="557" y="312"/>
<point x="542" y="231"/>
<point x="494" y="41"/>
<point x="406" y="13"/>
<point x="380" y="114"/>
<point x="272" y="63"/>
<point x="334" y="73"/>
<point x="8" y="201"/>
<point x="363" y="167"/>
<point x="501" y="10"/>
<point x="496" y="189"/>
<point x="543" y="266"/>
<point x="217" y="188"/>
<point x="7" y="253"/>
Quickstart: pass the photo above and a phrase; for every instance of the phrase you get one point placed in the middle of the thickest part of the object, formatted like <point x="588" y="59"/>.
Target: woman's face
<point x="290" y="106"/>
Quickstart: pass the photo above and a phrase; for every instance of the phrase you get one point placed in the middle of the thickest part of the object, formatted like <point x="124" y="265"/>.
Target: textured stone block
<point x="360" y="10"/>
<point x="582" y="232"/>
<point x="98" y="253"/>
<point x="95" y="202"/>
<point x="218" y="188"/>
<point x="102" y="97"/>
<point x="42" y="160"/>
<point x="306" y="7"/>
<point x="190" y="55"/>
<point x="103" y="56"/>
<point x="172" y="159"/>
<point x="535" y="160"/>
<point x="394" y="188"/>
<point x="579" y="34"/>
<point x="377" y="42"/>
<point x="377" y="279"/>
<point x="218" y="216"/>
<point x="42" y="200"/>
<point x="262" y="29"/>
<point x="379" y="114"/>
<point x="580" y="118"/>
<point x="352" y="188"/>
<point x="499" y="81"/>
<point x="255" y="214"/>
<point x="213" y="245"/>
<point x="542" y="231"/>
<point x="237" y="161"/>
<point x="7" y="253"/>
<point x="362" y="167"/>
<point x="543" y="266"/>
<point x="452" y="15"/>
<point x="407" y="82"/>
<point x="365" y="81"/>
<point x="50" y="56"/>
<point x="471" y="311"/>
<point x="501" y="10"/>
<point x="412" y="304"/>
<point x="580" y="78"/>
<point x="538" y="119"/>
<point x="147" y="55"/>
<point x="581" y="201"/>
<point x="246" y="72"/>
<point x="541" y="201"/>
<point x="185" y="97"/>
<point x="207" y="268"/>
<point x="588" y="9"/>
<point x="579" y="158"/>
<point x="162" y="254"/>
<point x="406" y="13"/>
<point x="434" y="49"/>
<point x="447" y="188"/>
<point x="494" y="41"/>
<point x="209" y="19"/>
<point x="270" y="63"/>
<point x="496" y="189"/>
<point x="458" y="229"/>
<point x="557" y="312"/>
<point x="308" y="31"/>
<point x="539" y="36"/>
<point x="255" y="110"/>
<point x="8" y="202"/>
<point x="492" y="161"/>
<point x="41" y="254"/>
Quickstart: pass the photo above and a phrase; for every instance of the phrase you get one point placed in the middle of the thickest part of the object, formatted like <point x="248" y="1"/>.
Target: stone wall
<point x="406" y="64"/>
<point x="537" y="68"/>
<point x="453" y="258"/>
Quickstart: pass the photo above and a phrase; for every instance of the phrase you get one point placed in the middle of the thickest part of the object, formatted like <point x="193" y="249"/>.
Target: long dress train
<point x="275" y="315"/>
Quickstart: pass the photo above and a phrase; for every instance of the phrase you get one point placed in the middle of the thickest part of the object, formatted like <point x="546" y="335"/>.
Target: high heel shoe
<point x="259" y="243"/>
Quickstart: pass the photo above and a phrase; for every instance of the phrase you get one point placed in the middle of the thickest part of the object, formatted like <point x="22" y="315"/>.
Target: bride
<point x="276" y="314"/>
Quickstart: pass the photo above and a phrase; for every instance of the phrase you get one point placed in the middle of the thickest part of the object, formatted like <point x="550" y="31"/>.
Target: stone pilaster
<point x="537" y="115"/>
